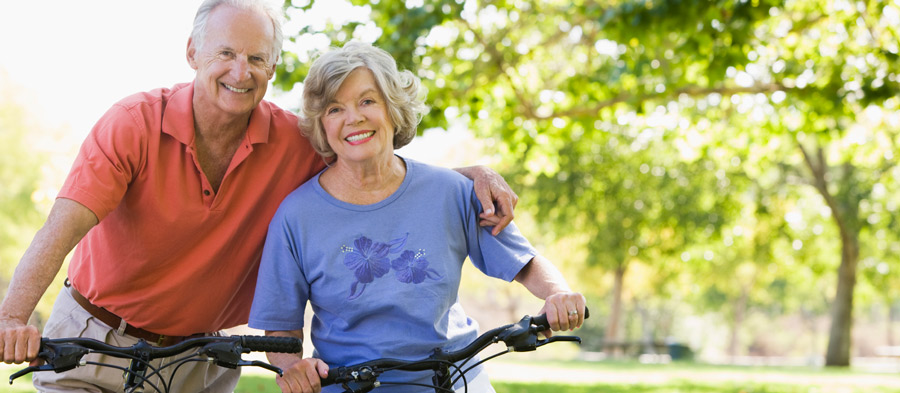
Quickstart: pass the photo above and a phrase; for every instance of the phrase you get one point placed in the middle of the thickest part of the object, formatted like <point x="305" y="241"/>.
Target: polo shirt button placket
<point x="206" y="192"/>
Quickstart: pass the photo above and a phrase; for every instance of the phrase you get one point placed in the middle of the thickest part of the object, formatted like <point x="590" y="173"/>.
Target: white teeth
<point x="359" y="137"/>
<point x="235" y="89"/>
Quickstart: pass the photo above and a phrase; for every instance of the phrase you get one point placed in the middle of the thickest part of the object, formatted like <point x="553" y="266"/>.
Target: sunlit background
<point x="67" y="62"/>
<point x="696" y="168"/>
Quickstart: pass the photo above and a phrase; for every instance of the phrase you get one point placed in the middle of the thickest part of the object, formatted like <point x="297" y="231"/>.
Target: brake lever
<point x="224" y="354"/>
<point x="520" y="337"/>
<point x="228" y="354"/>
<point x="558" y="338"/>
<point x="29" y="369"/>
<point x="261" y="364"/>
<point x="58" y="357"/>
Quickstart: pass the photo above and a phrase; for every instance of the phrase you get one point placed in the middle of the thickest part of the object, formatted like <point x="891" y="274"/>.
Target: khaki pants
<point x="481" y="384"/>
<point x="69" y="319"/>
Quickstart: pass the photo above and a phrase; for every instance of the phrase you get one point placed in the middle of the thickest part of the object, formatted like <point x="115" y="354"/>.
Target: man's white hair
<point x="265" y="7"/>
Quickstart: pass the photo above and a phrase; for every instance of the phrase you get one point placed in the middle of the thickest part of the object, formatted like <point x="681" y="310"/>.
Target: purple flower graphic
<point x="398" y="243"/>
<point x="412" y="267"/>
<point x="368" y="260"/>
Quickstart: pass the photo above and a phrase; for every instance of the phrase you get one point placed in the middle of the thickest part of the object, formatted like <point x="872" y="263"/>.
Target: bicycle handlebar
<point x="519" y="337"/>
<point x="63" y="354"/>
<point x="541" y="320"/>
<point x="272" y="344"/>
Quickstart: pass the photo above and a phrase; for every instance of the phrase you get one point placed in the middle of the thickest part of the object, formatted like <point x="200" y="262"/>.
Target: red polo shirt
<point x="169" y="255"/>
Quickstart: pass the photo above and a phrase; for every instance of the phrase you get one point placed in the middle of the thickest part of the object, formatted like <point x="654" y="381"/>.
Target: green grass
<point x="257" y="383"/>
<point x="681" y="387"/>
<point x="261" y="384"/>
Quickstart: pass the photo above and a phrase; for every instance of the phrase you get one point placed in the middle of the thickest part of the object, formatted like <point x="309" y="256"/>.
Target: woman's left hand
<point x="565" y="311"/>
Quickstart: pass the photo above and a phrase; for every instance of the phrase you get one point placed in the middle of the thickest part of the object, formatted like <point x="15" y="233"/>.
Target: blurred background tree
<point x="21" y="176"/>
<point x="677" y="134"/>
<point x="721" y="173"/>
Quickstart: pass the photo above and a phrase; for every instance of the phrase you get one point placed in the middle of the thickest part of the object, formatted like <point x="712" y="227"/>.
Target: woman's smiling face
<point x="356" y="121"/>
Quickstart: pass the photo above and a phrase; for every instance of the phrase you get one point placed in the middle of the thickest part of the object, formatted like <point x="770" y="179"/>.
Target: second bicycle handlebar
<point x="518" y="337"/>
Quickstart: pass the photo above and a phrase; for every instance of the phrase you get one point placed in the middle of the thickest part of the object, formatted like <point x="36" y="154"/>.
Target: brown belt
<point x="118" y="323"/>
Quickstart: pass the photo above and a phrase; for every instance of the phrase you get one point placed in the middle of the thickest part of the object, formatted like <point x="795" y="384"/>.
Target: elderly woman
<point x="376" y="242"/>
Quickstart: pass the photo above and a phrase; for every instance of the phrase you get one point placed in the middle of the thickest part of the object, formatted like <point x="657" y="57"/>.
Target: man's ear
<point x="272" y="70"/>
<point x="191" y="53"/>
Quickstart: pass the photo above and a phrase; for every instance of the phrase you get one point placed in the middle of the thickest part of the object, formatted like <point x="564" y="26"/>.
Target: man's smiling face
<point x="234" y="62"/>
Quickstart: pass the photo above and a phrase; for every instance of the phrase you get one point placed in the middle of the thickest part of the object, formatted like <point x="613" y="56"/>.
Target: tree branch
<point x="819" y="168"/>
<point x="693" y="91"/>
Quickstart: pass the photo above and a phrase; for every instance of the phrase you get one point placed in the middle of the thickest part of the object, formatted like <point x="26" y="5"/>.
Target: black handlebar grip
<point x="329" y="380"/>
<point x="541" y="320"/>
<point x="272" y="344"/>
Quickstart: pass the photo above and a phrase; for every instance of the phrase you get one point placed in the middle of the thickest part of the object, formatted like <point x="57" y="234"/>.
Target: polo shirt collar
<point x="178" y="118"/>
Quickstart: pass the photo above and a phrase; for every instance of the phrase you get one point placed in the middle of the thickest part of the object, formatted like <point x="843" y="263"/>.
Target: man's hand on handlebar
<point x="19" y="342"/>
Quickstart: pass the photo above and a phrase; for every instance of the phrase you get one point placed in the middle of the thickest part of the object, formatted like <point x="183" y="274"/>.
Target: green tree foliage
<point x="20" y="176"/>
<point x="656" y="127"/>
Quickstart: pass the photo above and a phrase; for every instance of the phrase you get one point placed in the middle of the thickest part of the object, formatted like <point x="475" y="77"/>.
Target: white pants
<point x="69" y="319"/>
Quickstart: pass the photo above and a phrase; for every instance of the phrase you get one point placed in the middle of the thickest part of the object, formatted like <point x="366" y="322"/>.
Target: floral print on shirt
<point x="368" y="260"/>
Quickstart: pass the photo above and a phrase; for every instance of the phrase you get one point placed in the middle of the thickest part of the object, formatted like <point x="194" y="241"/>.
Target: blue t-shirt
<point x="382" y="279"/>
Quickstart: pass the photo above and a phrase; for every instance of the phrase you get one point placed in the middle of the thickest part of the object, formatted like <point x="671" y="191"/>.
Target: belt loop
<point x="122" y="325"/>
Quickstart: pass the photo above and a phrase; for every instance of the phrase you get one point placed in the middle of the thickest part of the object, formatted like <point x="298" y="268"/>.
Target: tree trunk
<point x="512" y="303"/>
<point x="615" y="315"/>
<point x="739" y="310"/>
<point x="890" y="323"/>
<point x="846" y="217"/>
<point x="838" y="353"/>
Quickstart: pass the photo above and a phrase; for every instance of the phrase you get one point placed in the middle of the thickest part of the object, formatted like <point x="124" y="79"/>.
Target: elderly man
<point x="168" y="201"/>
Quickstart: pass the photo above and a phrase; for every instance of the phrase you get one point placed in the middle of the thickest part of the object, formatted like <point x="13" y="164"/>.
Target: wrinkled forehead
<point x="243" y="30"/>
<point x="344" y="86"/>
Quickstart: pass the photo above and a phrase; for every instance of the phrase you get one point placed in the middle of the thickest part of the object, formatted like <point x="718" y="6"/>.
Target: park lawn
<point x="633" y="378"/>
<point x="263" y="384"/>
<point x="630" y="377"/>
<point x="679" y="387"/>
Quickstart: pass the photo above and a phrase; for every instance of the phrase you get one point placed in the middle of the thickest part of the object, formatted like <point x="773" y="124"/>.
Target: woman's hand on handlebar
<point x="565" y="311"/>
<point x="300" y="375"/>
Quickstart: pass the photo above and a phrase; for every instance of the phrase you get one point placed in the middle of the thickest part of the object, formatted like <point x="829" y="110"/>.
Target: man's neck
<point x="216" y="143"/>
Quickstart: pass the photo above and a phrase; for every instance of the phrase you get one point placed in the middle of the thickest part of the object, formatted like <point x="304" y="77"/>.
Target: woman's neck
<point x="364" y="183"/>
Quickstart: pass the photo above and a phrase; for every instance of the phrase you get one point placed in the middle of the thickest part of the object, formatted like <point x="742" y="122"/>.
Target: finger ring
<point x="573" y="312"/>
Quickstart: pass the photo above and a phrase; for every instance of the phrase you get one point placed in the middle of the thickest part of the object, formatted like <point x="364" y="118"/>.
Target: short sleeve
<point x="501" y="256"/>
<point x="282" y="290"/>
<point x="109" y="158"/>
